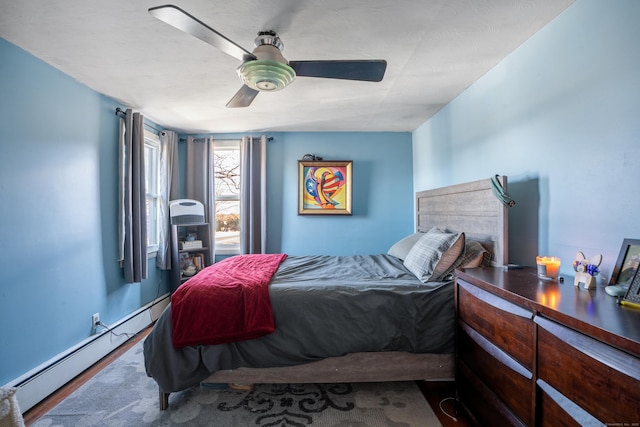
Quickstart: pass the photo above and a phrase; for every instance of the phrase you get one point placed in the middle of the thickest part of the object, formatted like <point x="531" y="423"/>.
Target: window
<point x="152" y="178"/>
<point x="227" y="190"/>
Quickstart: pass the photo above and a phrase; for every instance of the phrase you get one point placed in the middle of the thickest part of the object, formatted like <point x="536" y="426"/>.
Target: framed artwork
<point x="324" y="187"/>
<point x="627" y="263"/>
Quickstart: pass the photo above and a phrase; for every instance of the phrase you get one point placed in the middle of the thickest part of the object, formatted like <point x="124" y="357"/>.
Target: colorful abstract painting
<point x="324" y="187"/>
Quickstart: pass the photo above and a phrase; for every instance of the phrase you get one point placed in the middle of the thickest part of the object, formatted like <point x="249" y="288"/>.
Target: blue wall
<point x="560" y="117"/>
<point x="58" y="214"/>
<point x="382" y="194"/>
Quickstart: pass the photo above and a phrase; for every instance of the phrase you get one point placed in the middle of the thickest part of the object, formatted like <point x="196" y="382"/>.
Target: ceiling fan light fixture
<point x="266" y="75"/>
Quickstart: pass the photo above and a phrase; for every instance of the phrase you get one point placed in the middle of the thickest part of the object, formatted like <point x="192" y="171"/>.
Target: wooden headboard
<point x="471" y="207"/>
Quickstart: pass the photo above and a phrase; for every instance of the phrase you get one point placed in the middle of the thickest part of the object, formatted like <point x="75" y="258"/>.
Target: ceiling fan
<point x="265" y="69"/>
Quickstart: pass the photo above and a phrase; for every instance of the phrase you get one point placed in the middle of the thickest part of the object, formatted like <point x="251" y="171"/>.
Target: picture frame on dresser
<point x="626" y="264"/>
<point x="632" y="297"/>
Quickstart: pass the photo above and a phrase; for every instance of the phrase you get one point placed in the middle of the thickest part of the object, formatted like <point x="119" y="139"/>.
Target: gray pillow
<point x="402" y="247"/>
<point x="434" y="255"/>
<point x="475" y="255"/>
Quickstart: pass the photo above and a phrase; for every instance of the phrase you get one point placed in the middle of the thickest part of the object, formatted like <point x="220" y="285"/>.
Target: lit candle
<point x="548" y="267"/>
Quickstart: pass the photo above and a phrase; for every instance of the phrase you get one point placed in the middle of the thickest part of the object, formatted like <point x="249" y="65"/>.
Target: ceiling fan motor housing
<point x="270" y="71"/>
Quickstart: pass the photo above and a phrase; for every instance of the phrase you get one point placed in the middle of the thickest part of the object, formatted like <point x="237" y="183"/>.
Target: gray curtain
<point x="199" y="180"/>
<point x="168" y="190"/>
<point x="133" y="198"/>
<point x="253" y="195"/>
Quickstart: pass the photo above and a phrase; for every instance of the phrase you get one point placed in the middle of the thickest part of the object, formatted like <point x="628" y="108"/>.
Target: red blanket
<point x="225" y="302"/>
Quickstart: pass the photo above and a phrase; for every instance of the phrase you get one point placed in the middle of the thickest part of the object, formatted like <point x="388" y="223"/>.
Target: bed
<point x="362" y="318"/>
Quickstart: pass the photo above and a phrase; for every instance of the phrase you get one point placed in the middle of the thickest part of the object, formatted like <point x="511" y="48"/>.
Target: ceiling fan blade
<point x="365" y="70"/>
<point x="182" y="20"/>
<point x="243" y="98"/>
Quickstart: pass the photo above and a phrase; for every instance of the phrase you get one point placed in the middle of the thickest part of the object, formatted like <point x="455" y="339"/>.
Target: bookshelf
<point x="190" y="246"/>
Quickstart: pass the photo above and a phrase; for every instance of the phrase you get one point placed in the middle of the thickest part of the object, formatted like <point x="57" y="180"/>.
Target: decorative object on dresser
<point x="625" y="268"/>
<point x="548" y="267"/>
<point x="544" y="353"/>
<point x="632" y="297"/>
<point x="586" y="270"/>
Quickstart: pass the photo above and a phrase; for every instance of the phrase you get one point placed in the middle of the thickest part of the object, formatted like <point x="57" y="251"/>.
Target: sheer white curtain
<point x="133" y="214"/>
<point x="168" y="190"/>
<point x="199" y="180"/>
<point x="253" y="195"/>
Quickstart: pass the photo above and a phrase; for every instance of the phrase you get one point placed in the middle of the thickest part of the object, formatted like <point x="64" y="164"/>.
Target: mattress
<point x="324" y="306"/>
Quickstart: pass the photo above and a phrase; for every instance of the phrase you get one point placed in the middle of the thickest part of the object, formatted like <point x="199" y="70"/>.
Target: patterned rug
<point x="122" y="395"/>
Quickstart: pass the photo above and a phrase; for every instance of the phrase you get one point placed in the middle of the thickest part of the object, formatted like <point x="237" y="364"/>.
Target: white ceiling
<point x="435" y="49"/>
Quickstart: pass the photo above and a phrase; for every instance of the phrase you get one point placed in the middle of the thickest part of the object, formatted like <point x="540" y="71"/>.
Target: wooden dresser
<point x="544" y="353"/>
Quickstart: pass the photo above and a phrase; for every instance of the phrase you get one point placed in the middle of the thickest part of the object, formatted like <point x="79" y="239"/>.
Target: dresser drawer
<point x="505" y="324"/>
<point x="599" y="379"/>
<point x="480" y="400"/>
<point x="508" y="380"/>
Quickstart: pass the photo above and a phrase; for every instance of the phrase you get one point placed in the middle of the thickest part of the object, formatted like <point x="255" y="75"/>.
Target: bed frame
<point x="470" y="207"/>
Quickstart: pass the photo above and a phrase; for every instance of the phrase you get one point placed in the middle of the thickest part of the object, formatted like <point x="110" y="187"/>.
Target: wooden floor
<point x="440" y="395"/>
<point x="33" y="414"/>
<point x="437" y="393"/>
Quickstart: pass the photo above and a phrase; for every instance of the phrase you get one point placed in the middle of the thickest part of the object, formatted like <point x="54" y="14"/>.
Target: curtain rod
<point x="217" y="139"/>
<point x="154" y="128"/>
<point x="269" y="138"/>
<point x="120" y="113"/>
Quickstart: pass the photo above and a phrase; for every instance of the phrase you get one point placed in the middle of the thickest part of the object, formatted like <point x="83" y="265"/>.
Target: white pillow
<point x="402" y="247"/>
<point x="434" y="255"/>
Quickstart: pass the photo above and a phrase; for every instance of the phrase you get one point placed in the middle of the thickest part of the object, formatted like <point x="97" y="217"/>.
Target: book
<point x="194" y="244"/>
<point x="198" y="261"/>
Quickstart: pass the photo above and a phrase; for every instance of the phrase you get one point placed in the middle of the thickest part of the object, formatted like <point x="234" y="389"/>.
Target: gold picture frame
<point x="324" y="187"/>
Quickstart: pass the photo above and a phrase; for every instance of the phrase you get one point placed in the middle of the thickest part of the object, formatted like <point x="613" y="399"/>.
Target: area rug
<point x="122" y="395"/>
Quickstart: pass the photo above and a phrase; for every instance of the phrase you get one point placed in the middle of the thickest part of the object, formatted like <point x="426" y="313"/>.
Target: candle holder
<point x="548" y="267"/>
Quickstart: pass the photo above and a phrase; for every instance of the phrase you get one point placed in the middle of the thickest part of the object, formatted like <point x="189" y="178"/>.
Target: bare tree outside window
<point x="227" y="171"/>
<point x="227" y="191"/>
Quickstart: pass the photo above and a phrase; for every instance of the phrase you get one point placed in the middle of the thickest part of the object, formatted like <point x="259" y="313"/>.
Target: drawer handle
<point x="496" y="301"/>
<point x="578" y="414"/>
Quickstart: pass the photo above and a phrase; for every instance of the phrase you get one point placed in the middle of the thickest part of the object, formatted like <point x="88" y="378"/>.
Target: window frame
<point x="152" y="145"/>
<point x="227" y="144"/>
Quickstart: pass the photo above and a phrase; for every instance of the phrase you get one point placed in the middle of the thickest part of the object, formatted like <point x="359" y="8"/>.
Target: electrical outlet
<point x="96" y="320"/>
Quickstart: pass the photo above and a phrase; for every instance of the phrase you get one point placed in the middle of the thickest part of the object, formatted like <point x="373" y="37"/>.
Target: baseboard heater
<point x="40" y="382"/>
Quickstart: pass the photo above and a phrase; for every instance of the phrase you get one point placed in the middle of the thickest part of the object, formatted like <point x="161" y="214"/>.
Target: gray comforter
<point x="323" y="306"/>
